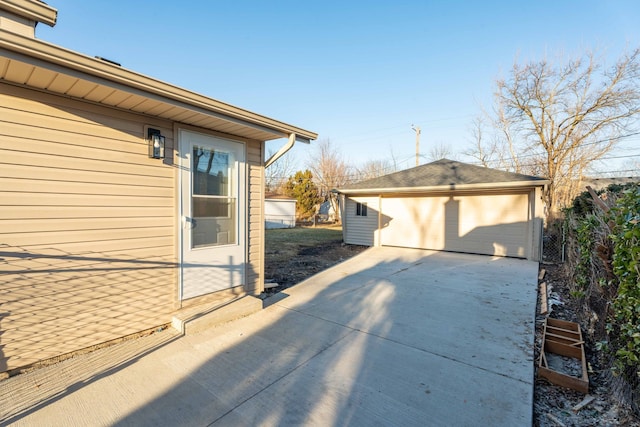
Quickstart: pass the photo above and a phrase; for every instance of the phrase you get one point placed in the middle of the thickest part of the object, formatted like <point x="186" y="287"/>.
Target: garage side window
<point x="361" y="209"/>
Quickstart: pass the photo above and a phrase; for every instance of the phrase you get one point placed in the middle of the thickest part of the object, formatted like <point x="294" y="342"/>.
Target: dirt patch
<point x="553" y="405"/>
<point x="293" y="255"/>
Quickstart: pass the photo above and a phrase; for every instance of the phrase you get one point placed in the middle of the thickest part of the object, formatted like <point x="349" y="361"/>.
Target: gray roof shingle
<point x="443" y="173"/>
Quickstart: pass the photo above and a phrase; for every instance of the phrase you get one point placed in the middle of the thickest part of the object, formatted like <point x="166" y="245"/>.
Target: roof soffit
<point x="52" y="63"/>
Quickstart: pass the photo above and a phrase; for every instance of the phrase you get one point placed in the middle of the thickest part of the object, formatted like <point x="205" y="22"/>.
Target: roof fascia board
<point x="135" y="91"/>
<point x="33" y="10"/>
<point x="447" y="188"/>
<point x="48" y="54"/>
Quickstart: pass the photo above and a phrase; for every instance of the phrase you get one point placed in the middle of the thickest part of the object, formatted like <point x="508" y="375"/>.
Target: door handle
<point x="188" y="223"/>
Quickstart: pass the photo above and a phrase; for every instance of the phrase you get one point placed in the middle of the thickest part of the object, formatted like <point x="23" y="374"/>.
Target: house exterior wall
<point x="255" y="231"/>
<point x="279" y="213"/>
<point x="88" y="226"/>
<point x="358" y="229"/>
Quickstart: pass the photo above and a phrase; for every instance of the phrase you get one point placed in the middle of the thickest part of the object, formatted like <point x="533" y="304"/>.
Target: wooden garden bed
<point x="564" y="339"/>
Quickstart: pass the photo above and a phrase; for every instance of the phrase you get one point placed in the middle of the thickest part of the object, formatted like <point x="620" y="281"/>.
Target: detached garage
<point x="447" y="205"/>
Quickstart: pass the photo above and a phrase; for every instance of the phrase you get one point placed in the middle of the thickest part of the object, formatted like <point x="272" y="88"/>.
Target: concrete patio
<point x="390" y="337"/>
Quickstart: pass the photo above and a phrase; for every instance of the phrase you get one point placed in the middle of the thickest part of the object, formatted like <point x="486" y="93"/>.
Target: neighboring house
<point x="447" y="205"/>
<point x="602" y="183"/>
<point x="279" y="212"/>
<point x="326" y="212"/>
<point x="98" y="240"/>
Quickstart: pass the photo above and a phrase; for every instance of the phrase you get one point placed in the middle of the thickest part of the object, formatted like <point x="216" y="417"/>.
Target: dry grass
<point x="295" y="254"/>
<point x="285" y="243"/>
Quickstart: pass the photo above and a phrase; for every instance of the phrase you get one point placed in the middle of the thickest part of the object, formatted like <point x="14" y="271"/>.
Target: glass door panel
<point x="214" y="207"/>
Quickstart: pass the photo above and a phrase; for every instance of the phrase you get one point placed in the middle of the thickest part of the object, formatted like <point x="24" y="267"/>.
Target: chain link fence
<point x="554" y="242"/>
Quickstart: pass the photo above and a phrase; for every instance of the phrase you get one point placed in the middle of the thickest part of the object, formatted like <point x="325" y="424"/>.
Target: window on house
<point x="361" y="209"/>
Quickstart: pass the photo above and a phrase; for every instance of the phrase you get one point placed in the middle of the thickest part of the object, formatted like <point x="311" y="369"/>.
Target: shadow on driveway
<point x="389" y="337"/>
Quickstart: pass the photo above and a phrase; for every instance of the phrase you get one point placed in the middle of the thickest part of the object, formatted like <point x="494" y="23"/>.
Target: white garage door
<point x="491" y="224"/>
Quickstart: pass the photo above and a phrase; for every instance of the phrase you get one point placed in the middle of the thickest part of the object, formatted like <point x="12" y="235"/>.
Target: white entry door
<point x="212" y="208"/>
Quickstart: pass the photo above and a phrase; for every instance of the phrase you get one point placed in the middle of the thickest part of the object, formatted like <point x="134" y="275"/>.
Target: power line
<point x="569" y="149"/>
<point x="398" y="163"/>
<point x="619" y="171"/>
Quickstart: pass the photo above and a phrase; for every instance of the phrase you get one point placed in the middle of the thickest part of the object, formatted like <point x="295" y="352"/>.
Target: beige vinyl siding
<point x="87" y="226"/>
<point x="255" y="267"/>
<point x="491" y="224"/>
<point x="360" y="230"/>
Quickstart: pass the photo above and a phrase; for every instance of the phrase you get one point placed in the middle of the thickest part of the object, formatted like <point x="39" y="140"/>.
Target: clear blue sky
<point x="359" y="73"/>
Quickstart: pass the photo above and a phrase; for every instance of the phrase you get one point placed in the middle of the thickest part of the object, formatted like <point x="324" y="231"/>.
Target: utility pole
<point x="417" y="130"/>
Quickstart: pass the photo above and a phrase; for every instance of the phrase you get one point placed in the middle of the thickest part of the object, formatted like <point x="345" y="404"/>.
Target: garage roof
<point x="443" y="175"/>
<point x="26" y="61"/>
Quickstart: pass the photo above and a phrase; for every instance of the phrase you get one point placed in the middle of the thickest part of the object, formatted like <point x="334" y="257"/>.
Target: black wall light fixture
<point x="156" y="144"/>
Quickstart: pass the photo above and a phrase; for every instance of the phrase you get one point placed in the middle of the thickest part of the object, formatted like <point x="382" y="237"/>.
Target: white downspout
<point x="281" y="152"/>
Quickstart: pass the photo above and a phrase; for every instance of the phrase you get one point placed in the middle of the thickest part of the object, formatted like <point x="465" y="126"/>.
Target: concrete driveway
<point x="390" y="337"/>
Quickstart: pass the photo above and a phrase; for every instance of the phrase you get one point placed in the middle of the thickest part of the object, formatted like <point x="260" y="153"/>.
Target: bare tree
<point x="277" y="174"/>
<point x="491" y="143"/>
<point x="440" y="151"/>
<point x="374" y="168"/>
<point x="329" y="170"/>
<point x="394" y="160"/>
<point x="554" y="120"/>
<point x="482" y="150"/>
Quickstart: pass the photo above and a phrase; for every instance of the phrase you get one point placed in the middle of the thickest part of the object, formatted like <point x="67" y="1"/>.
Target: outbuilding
<point x="279" y="211"/>
<point x="447" y="205"/>
<point x="124" y="200"/>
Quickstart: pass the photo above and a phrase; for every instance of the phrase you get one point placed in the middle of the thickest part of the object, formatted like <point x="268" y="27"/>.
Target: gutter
<point x="283" y="150"/>
<point x="37" y="11"/>
<point x="446" y="188"/>
<point x="51" y="54"/>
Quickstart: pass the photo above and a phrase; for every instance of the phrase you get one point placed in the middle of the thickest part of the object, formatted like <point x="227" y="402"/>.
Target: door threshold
<point x="206" y="316"/>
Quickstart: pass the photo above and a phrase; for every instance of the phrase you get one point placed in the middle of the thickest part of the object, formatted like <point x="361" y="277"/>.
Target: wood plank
<point x="569" y="349"/>
<point x="544" y="304"/>
<point x="587" y="400"/>
<point x="562" y="349"/>
<point x="562" y="324"/>
<point x="564" y="332"/>
<point x="562" y="338"/>
<point x="555" y="420"/>
<point x="564" y="380"/>
<point x="541" y="274"/>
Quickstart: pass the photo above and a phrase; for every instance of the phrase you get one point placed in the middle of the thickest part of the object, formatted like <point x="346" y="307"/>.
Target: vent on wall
<point x="108" y="60"/>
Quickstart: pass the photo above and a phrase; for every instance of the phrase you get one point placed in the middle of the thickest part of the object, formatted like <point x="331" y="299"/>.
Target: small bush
<point x="625" y="321"/>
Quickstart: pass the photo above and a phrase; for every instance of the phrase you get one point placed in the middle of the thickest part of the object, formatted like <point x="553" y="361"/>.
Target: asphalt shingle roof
<point x="445" y="173"/>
